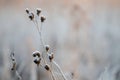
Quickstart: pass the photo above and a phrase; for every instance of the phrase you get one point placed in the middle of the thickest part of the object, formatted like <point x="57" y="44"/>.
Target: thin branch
<point x="14" y="66"/>
<point x="59" y="70"/>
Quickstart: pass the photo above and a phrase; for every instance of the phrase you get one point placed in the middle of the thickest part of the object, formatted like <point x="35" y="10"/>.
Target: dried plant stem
<point x="39" y="31"/>
<point x="18" y="75"/>
<point x="45" y="56"/>
<point x="40" y="35"/>
<point x="14" y="66"/>
<point x="52" y="75"/>
<point x="59" y="70"/>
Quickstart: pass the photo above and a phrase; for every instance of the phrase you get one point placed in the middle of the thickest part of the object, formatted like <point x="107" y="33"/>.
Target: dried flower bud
<point x="36" y="53"/>
<point x="27" y="10"/>
<point x="38" y="11"/>
<point x="47" y="47"/>
<point x="37" y="61"/>
<point x="51" y="56"/>
<point x="42" y="18"/>
<point x="31" y="16"/>
<point x="47" y="67"/>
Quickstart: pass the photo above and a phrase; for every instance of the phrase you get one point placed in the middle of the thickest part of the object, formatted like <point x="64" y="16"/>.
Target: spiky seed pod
<point x="47" y="67"/>
<point x="31" y="16"/>
<point x="51" y="56"/>
<point x="27" y="10"/>
<point x="47" y="47"/>
<point x="42" y="18"/>
<point x="38" y="11"/>
<point x="36" y="53"/>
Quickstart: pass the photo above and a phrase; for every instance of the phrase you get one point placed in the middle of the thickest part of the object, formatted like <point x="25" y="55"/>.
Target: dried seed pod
<point x="47" y="67"/>
<point x="27" y="10"/>
<point x="42" y="18"/>
<point x="47" y="47"/>
<point x="38" y="11"/>
<point x="51" y="56"/>
<point x="36" y="53"/>
<point x="31" y="16"/>
<point x="37" y="61"/>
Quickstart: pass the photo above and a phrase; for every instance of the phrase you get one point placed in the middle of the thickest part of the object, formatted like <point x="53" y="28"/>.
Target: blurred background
<point x="83" y="34"/>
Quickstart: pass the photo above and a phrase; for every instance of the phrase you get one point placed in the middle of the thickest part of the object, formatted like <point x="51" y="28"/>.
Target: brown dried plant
<point x="14" y="64"/>
<point x="45" y="58"/>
